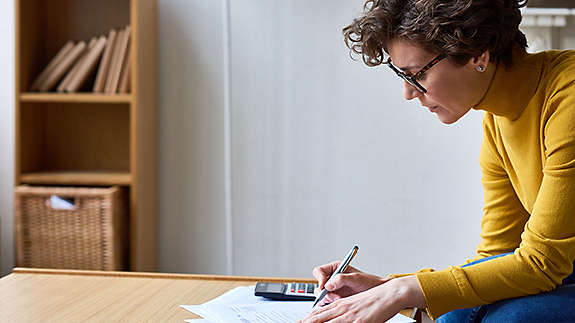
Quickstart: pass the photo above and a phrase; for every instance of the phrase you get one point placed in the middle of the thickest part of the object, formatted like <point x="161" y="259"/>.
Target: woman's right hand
<point x="350" y="282"/>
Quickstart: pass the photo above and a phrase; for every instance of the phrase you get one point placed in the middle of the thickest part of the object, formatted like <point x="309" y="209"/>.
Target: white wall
<point x="6" y="134"/>
<point x="191" y="233"/>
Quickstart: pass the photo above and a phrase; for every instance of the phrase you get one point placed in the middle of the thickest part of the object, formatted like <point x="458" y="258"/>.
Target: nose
<point x="410" y="92"/>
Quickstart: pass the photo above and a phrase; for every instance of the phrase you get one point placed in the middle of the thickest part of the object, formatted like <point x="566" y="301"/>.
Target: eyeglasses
<point x="413" y="79"/>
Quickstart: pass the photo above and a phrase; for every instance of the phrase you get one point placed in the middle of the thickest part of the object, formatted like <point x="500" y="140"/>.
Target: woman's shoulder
<point x="558" y="57"/>
<point x="558" y="69"/>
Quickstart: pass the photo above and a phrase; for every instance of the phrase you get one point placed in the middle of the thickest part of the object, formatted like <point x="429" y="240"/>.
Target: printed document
<point x="242" y="306"/>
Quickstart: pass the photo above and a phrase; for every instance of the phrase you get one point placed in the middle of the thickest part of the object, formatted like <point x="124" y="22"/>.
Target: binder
<point x="88" y="66"/>
<point x="53" y="63"/>
<point x="60" y="70"/>
<point x="105" y="60"/>
<point x="61" y="87"/>
<point x="104" y="68"/>
<point x="125" y="79"/>
<point x="116" y="68"/>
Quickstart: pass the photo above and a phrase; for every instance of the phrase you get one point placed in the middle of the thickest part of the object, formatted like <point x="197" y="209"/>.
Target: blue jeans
<point x="554" y="306"/>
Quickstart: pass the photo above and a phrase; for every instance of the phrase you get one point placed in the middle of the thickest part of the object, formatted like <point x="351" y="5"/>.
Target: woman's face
<point x="452" y="90"/>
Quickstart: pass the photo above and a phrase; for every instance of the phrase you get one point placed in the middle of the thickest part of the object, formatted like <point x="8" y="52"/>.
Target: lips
<point x="433" y="109"/>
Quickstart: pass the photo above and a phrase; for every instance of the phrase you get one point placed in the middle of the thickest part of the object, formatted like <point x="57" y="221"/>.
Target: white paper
<point x="278" y="312"/>
<point x="242" y="306"/>
<point x="59" y="203"/>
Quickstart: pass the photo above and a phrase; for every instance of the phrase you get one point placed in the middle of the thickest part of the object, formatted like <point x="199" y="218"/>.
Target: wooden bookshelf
<point x="75" y="97"/>
<point x="90" y="139"/>
<point x="95" y="178"/>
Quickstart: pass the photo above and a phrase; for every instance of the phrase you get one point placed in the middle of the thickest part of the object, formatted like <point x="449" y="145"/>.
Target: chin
<point x="447" y="118"/>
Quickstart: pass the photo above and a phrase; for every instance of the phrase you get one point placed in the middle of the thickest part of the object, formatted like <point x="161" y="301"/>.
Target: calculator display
<point x="275" y="288"/>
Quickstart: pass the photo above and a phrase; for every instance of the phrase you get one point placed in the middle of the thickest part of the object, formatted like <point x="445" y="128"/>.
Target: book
<point x="53" y="63"/>
<point x="125" y="78"/>
<point x="104" y="68"/>
<point x="88" y="66"/>
<point x="125" y="60"/>
<point x="61" y="87"/>
<point x="114" y="77"/>
<point x="61" y="69"/>
<point x="114" y="60"/>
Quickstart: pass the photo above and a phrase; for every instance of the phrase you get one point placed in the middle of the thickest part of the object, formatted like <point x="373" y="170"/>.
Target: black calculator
<point x="286" y="291"/>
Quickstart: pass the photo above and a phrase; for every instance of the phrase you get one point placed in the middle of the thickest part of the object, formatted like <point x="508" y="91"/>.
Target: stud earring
<point x="481" y="68"/>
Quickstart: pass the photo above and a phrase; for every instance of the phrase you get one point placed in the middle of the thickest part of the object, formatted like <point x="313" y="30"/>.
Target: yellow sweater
<point x="527" y="161"/>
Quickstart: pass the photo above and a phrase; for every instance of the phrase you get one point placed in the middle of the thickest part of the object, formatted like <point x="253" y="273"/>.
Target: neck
<point x="512" y="87"/>
<point x="487" y="82"/>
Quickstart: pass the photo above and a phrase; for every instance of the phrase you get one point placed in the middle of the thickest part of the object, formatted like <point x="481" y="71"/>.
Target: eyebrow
<point x="405" y="68"/>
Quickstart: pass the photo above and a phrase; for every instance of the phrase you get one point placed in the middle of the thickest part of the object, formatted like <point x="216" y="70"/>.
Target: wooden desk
<point x="47" y="295"/>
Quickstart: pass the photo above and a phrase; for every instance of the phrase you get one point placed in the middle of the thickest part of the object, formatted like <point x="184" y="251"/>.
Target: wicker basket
<point x="88" y="233"/>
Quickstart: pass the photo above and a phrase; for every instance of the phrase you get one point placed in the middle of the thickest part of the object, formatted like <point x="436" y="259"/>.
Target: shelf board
<point x="75" y="97"/>
<point x="77" y="178"/>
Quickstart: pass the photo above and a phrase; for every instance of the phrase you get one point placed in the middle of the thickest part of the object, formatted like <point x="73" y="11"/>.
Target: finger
<point x="317" y="292"/>
<point x="328" y="313"/>
<point x="321" y="309"/>
<point x="342" y="280"/>
<point x="329" y="298"/>
<point x="322" y="273"/>
<point x="340" y="319"/>
<point x="351" y="269"/>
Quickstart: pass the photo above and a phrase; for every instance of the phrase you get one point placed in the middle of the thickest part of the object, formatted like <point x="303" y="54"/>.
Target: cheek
<point x="439" y="96"/>
<point x="445" y="93"/>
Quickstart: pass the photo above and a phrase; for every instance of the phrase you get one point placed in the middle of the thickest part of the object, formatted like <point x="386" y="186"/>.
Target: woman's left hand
<point x="377" y="304"/>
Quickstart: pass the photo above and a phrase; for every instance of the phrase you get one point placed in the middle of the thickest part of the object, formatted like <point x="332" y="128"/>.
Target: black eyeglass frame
<point x="413" y="79"/>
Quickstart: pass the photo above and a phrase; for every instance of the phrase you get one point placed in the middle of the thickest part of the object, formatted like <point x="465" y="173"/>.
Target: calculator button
<point x="292" y="287"/>
<point x="301" y="288"/>
<point x="310" y="288"/>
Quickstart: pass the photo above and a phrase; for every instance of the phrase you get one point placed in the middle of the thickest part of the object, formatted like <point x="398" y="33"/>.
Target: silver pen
<point x="341" y="268"/>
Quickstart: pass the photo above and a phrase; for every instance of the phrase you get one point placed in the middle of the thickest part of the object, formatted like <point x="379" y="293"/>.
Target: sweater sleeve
<point x="547" y="242"/>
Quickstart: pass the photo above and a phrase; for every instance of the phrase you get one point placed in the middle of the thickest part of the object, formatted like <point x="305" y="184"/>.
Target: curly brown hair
<point x="461" y="29"/>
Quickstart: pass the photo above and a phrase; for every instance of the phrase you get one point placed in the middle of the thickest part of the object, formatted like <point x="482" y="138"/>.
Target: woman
<point x="454" y="56"/>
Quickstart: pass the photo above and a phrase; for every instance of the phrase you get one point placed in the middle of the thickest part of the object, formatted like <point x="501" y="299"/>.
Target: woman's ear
<point x="481" y="62"/>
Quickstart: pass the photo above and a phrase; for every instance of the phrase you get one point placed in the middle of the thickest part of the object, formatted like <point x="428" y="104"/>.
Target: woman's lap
<point x="553" y="306"/>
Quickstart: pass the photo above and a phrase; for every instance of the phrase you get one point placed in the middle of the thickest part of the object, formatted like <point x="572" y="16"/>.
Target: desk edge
<point x="22" y="270"/>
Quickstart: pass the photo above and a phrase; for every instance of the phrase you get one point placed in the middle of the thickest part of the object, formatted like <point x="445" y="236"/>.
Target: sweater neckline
<point x="512" y="87"/>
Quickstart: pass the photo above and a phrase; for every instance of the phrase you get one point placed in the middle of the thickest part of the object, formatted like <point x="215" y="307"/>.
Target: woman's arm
<point x="547" y="247"/>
